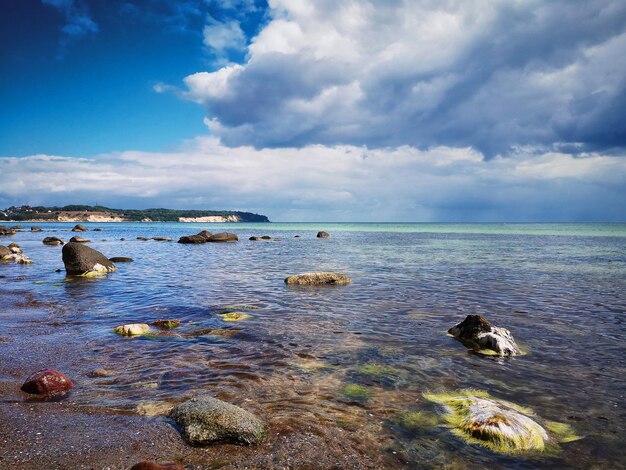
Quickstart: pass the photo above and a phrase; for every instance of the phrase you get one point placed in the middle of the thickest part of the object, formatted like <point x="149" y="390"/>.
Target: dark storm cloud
<point x="491" y="75"/>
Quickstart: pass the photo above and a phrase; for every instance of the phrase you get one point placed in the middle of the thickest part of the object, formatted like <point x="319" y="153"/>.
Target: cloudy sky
<point x="394" y="110"/>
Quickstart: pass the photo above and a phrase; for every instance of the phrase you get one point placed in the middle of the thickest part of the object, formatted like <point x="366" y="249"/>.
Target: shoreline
<point x="40" y="435"/>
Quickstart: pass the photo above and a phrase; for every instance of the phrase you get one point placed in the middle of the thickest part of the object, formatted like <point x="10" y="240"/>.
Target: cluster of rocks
<point x="4" y="231"/>
<point x="13" y="254"/>
<point x="264" y="237"/>
<point x="156" y="239"/>
<point x="208" y="237"/>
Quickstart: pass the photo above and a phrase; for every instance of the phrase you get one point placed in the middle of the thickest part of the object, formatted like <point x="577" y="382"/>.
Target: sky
<point x="343" y="110"/>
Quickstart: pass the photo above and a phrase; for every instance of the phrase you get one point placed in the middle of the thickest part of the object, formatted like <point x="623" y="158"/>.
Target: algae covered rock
<point x="206" y="420"/>
<point x="82" y="260"/>
<point x="234" y="316"/>
<point x="499" y="425"/>
<point x="132" y="329"/>
<point x="318" y="279"/>
<point x="166" y="324"/>
<point x="479" y="334"/>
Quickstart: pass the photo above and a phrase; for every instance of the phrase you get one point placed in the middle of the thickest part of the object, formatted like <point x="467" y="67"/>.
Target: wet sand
<point x="64" y="435"/>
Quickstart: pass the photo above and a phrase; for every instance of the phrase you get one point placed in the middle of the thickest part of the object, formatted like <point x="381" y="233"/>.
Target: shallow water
<point x="559" y="288"/>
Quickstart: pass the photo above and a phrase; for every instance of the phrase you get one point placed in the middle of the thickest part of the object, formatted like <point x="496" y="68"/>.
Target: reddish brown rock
<point x="47" y="382"/>
<point x="147" y="465"/>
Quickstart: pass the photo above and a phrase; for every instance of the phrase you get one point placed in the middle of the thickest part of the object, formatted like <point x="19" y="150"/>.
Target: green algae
<point x="357" y="392"/>
<point x="377" y="370"/>
<point x="417" y="420"/>
<point x="499" y="425"/>
<point x="234" y="316"/>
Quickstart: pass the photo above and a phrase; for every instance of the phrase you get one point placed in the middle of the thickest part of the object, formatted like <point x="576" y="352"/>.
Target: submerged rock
<point x="206" y="420"/>
<point x="162" y="239"/>
<point x="479" y="334"/>
<point x="97" y="230"/>
<point x="132" y="329"/>
<point x="47" y="382"/>
<point x="120" y="259"/>
<point x="223" y="237"/>
<point x="323" y="235"/>
<point x="234" y="316"/>
<point x="148" y="465"/>
<point x="35" y="229"/>
<point x="53" y="241"/>
<point x="166" y="324"/>
<point x="317" y="279"/>
<point x="82" y="260"/>
<point x="79" y="240"/>
<point x="499" y="425"/>
<point x="79" y="228"/>
<point x="143" y="239"/>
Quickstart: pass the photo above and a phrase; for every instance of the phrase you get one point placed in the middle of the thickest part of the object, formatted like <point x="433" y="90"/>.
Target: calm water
<point x="559" y="288"/>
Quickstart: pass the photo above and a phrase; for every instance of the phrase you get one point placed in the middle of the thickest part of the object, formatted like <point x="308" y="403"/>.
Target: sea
<point x="298" y="354"/>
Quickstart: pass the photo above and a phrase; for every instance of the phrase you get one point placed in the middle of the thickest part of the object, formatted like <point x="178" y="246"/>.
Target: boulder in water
<point x="52" y="241"/>
<point x="79" y="259"/>
<point x="206" y="420"/>
<point x="323" y="235"/>
<point x="120" y="259"/>
<point x="5" y="251"/>
<point x="162" y="239"/>
<point x="499" y="425"/>
<point x="318" y="279"/>
<point x="132" y="329"/>
<point x="47" y="382"/>
<point x="35" y="229"/>
<point x="479" y="334"/>
<point x="166" y="324"/>
<point x="79" y="240"/>
<point x="79" y="228"/>
<point x="6" y="231"/>
<point x="223" y="237"/>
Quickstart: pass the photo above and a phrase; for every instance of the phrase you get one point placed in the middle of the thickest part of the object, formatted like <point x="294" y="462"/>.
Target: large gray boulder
<point x="479" y="334"/>
<point x="79" y="228"/>
<point x="206" y="420"/>
<point x="79" y="259"/>
<point x="318" y="279"/>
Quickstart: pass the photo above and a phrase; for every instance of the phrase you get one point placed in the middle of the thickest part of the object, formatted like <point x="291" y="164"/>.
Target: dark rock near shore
<point x="80" y="259"/>
<point x="206" y="420"/>
<point x="53" y="241"/>
<point x="254" y="239"/>
<point x="192" y="239"/>
<point x="266" y="237"/>
<point x="35" y="229"/>
<point x="79" y="240"/>
<point x="318" y="279"/>
<point x="148" y="465"/>
<point x="223" y="237"/>
<point x="120" y="259"/>
<point x="17" y="227"/>
<point x="143" y="239"/>
<point x="79" y="228"/>
<point x="47" y="382"/>
<point x="122" y="239"/>
<point x="479" y="334"/>
<point x="97" y="230"/>
<point x="201" y="237"/>
<point x="162" y="239"/>
<point x="323" y="235"/>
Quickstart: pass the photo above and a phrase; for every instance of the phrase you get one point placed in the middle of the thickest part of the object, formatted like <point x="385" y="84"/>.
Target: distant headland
<point x="81" y="213"/>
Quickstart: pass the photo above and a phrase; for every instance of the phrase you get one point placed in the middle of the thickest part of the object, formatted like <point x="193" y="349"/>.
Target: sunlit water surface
<point x="559" y="288"/>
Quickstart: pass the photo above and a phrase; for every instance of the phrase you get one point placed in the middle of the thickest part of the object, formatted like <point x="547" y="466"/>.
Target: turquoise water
<point x="559" y="288"/>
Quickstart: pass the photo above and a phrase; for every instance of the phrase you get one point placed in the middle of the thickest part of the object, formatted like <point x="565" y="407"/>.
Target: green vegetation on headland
<point x="58" y="214"/>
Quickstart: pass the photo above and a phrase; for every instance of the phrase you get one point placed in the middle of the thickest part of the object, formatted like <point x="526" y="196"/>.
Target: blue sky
<point x="400" y="110"/>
